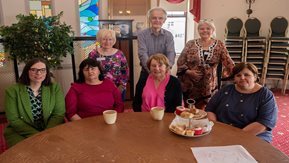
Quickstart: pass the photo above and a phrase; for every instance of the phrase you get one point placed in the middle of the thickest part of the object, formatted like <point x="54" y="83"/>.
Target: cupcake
<point x="198" y="131"/>
<point x="180" y="109"/>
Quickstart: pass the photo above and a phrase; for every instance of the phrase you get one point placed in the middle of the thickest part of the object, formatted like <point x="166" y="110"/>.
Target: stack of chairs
<point x="276" y="60"/>
<point x="255" y="45"/>
<point x="234" y="39"/>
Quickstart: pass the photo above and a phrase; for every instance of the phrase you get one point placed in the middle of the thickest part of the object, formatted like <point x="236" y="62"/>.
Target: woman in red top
<point x="91" y="94"/>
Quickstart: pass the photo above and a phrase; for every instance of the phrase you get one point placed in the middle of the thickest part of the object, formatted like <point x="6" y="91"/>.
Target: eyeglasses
<point x="36" y="70"/>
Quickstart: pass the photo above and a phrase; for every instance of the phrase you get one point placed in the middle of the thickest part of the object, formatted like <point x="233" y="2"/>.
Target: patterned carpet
<point x="280" y="133"/>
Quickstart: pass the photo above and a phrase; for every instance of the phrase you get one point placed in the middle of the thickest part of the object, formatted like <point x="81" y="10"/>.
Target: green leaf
<point x="34" y="36"/>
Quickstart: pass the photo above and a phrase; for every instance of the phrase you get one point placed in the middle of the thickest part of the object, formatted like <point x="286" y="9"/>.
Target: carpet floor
<point x="280" y="132"/>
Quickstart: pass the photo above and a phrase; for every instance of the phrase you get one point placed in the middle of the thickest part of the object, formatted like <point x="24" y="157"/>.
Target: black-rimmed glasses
<point x="36" y="70"/>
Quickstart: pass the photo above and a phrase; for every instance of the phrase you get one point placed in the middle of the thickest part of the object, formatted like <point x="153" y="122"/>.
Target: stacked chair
<point x="270" y="54"/>
<point x="255" y="45"/>
<point x="276" y="60"/>
<point x="234" y="40"/>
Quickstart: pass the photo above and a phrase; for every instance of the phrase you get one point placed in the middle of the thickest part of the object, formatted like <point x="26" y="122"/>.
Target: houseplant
<point x="34" y="36"/>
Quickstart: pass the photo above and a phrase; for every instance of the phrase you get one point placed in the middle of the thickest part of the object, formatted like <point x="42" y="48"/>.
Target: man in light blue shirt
<point x="155" y="40"/>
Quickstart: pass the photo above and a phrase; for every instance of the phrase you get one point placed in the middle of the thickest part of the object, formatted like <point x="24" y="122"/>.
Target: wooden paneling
<point x="136" y="7"/>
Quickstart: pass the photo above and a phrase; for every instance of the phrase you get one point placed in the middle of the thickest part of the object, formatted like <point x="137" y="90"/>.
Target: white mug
<point x="110" y="116"/>
<point x="157" y="112"/>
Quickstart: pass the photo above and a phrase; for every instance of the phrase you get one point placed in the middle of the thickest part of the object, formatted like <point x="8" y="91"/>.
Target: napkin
<point x="223" y="154"/>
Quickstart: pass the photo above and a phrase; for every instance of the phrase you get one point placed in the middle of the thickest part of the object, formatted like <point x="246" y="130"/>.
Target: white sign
<point x="177" y="25"/>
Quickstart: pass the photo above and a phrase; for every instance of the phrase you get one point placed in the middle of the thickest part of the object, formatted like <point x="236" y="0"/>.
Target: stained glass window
<point x="88" y="11"/>
<point x="40" y="7"/>
<point x="2" y="55"/>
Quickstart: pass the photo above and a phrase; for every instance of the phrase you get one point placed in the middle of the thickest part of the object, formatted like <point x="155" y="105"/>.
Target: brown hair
<point x="24" y="78"/>
<point x="241" y="66"/>
<point x="160" y="58"/>
<point x="90" y="63"/>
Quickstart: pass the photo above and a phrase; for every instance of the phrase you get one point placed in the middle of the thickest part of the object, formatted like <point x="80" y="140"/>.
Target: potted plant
<point x="34" y="36"/>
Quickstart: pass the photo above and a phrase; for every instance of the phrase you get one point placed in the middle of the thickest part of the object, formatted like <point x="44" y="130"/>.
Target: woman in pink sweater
<point x="91" y="94"/>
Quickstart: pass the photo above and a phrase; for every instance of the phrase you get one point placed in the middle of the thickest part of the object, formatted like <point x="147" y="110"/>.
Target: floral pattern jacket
<point x="115" y="66"/>
<point x="192" y="58"/>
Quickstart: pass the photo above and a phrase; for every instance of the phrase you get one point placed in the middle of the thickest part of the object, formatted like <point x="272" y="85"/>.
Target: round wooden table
<point x="135" y="137"/>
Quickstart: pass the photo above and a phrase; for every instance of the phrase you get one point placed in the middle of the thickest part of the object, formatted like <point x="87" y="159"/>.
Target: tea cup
<point x="110" y="116"/>
<point x="157" y="113"/>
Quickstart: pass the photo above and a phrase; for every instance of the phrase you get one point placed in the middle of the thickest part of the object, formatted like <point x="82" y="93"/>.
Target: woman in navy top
<point x="245" y="104"/>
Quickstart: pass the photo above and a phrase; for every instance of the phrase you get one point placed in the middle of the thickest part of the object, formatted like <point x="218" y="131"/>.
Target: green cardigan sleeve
<point x="14" y="110"/>
<point x="58" y="107"/>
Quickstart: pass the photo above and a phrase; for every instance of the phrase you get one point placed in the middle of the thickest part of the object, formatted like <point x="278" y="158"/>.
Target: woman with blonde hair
<point x="197" y="64"/>
<point x="159" y="88"/>
<point x="113" y="60"/>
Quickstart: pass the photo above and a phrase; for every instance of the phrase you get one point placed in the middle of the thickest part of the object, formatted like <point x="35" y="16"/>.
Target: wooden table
<point x="135" y="137"/>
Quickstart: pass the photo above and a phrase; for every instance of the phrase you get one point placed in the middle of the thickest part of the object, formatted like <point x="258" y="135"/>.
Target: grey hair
<point x="210" y="23"/>
<point x="149" y="14"/>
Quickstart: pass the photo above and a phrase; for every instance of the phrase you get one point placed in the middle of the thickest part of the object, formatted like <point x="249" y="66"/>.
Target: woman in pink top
<point x="159" y="88"/>
<point x="91" y="94"/>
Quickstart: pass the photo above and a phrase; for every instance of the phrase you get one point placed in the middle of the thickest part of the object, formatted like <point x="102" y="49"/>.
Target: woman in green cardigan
<point x="33" y="104"/>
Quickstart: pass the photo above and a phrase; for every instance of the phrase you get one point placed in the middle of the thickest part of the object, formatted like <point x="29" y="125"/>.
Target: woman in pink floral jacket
<point x="113" y="60"/>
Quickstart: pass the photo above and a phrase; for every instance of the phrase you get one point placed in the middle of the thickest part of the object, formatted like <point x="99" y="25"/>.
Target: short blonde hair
<point x="102" y="33"/>
<point x="160" y="58"/>
<point x="210" y="23"/>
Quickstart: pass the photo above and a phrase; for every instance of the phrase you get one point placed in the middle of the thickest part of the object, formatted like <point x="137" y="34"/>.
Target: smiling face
<point x="107" y="42"/>
<point x="158" y="70"/>
<point x="37" y="73"/>
<point x="245" y="79"/>
<point x="157" y="19"/>
<point x="205" y="31"/>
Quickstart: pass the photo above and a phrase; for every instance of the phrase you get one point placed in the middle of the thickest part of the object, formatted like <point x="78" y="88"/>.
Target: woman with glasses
<point x="197" y="64"/>
<point x="113" y="60"/>
<point x="33" y="104"/>
<point x="92" y="93"/>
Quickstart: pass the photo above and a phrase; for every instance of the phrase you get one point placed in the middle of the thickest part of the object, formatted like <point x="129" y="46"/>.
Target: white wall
<point x="1" y="14"/>
<point x="12" y="8"/>
<point x="70" y="13"/>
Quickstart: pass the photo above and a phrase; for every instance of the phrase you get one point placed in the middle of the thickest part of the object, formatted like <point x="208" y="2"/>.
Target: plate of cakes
<point x="191" y="123"/>
<point x="195" y="131"/>
<point x="192" y="113"/>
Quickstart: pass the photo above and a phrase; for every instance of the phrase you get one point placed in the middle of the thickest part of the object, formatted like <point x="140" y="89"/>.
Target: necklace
<point x="209" y="52"/>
